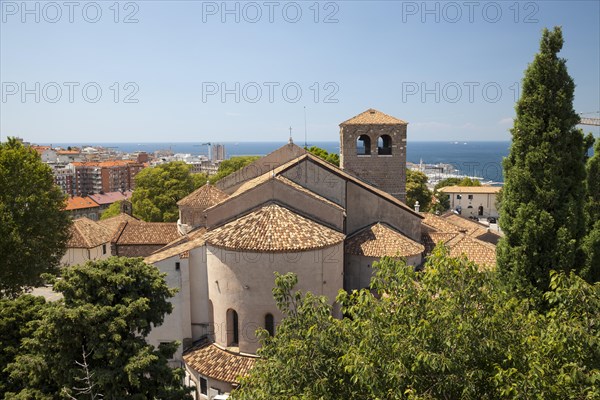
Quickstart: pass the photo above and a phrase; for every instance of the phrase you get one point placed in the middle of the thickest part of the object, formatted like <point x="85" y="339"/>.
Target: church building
<point x="289" y="211"/>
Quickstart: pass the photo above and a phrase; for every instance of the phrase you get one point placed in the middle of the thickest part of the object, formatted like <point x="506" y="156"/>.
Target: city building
<point x="105" y="176"/>
<point x="64" y="177"/>
<point x="88" y="240"/>
<point x="68" y="156"/>
<point x="79" y="207"/>
<point x="476" y="201"/>
<point x="217" y="152"/>
<point x="140" y="239"/>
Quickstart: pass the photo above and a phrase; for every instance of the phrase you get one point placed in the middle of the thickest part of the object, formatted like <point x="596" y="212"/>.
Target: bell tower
<point x="373" y="148"/>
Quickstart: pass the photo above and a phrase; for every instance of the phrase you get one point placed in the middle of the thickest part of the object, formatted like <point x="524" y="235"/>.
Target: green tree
<point x="231" y="165"/>
<point x="332" y="158"/>
<point x="591" y="243"/>
<point x="95" y="337"/>
<point x="17" y="322"/>
<point x="542" y="212"/>
<point x="33" y="227"/>
<point x="449" y="332"/>
<point x="465" y="181"/>
<point x="416" y="190"/>
<point x="199" y="180"/>
<point x="112" y="211"/>
<point x="158" y="189"/>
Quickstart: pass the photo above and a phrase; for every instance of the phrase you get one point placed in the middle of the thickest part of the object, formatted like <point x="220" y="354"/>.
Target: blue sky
<point x="245" y="71"/>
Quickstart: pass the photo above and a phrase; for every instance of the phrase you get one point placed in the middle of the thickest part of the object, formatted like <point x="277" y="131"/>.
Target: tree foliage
<point x="416" y="190"/>
<point x="112" y="211"/>
<point x="591" y="242"/>
<point x="449" y="332"/>
<point x="231" y="165"/>
<point x="17" y="322"/>
<point x="95" y="337"/>
<point x="332" y="158"/>
<point x="542" y="212"/>
<point x="33" y="227"/>
<point x="159" y="188"/>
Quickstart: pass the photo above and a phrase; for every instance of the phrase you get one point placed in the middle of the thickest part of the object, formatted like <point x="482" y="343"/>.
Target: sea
<point x="481" y="159"/>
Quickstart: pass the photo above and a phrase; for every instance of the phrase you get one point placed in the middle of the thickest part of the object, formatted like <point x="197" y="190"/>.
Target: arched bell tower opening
<point x="373" y="148"/>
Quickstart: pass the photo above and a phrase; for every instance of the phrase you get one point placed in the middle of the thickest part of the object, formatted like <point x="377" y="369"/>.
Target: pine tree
<point x="542" y="212"/>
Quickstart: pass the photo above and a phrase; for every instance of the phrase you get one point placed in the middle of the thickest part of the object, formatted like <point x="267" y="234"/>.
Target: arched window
<point x="270" y="324"/>
<point x="384" y="145"/>
<point x="233" y="329"/>
<point x="363" y="145"/>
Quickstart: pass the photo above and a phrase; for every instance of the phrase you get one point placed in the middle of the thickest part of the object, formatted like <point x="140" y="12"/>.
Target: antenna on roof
<point x="290" y="141"/>
<point x="305" y="141"/>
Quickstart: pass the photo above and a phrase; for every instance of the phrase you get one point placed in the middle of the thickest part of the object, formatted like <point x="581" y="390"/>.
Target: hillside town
<point x="93" y="178"/>
<point x="299" y="200"/>
<point x="334" y="223"/>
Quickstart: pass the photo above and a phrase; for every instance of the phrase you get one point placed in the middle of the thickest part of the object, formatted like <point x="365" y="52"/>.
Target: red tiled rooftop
<point x="87" y="234"/>
<point x="214" y="362"/>
<point x="145" y="233"/>
<point x="77" y="203"/>
<point x="110" y="197"/>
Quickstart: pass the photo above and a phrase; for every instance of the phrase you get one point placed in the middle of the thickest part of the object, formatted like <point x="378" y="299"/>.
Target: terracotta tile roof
<point x="107" y="164"/>
<point x="68" y="152"/>
<point x="113" y="223"/>
<point x="40" y="149"/>
<point x="115" y="163"/>
<point x="77" y="203"/>
<point x="470" y="189"/>
<point x="88" y="234"/>
<point x="110" y="197"/>
<point x="254" y="182"/>
<point x="478" y="251"/>
<point x="460" y="235"/>
<point x="203" y="197"/>
<point x="438" y="223"/>
<point x="381" y="240"/>
<point x="182" y="249"/>
<point x="145" y="233"/>
<point x="214" y="362"/>
<point x="466" y="225"/>
<point x="373" y="117"/>
<point x="481" y="253"/>
<point x="490" y="237"/>
<point x="430" y="239"/>
<point x="273" y="228"/>
<point x="180" y="246"/>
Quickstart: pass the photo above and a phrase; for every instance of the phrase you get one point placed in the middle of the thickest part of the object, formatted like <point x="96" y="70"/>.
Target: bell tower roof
<point x="373" y="117"/>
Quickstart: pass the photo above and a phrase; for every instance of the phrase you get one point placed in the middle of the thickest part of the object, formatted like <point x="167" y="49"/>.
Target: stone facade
<point x="382" y="160"/>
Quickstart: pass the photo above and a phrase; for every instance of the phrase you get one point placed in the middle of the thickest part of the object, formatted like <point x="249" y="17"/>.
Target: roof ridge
<point x="358" y="119"/>
<point x="84" y="237"/>
<point x="119" y="231"/>
<point x="375" y="190"/>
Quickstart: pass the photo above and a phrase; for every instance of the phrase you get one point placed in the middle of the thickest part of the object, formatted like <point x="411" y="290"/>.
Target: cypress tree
<point x="591" y="243"/>
<point x="542" y="213"/>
